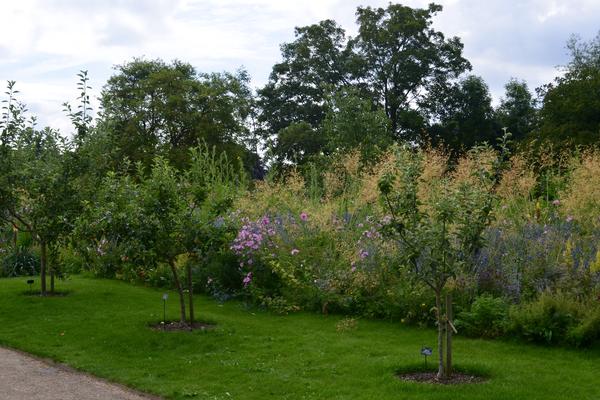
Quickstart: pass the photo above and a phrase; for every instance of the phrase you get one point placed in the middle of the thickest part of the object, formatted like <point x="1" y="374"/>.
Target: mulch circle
<point x="48" y="294"/>
<point x="456" y="378"/>
<point x="174" y="326"/>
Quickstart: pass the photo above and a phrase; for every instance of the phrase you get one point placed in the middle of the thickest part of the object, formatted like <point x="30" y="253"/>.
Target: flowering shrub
<point x="291" y="262"/>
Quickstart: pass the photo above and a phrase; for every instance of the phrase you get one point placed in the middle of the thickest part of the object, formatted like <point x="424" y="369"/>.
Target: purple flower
<point x="295" y="251"/>
<point x="363" y="254"/>
<point x="304" y="216"/>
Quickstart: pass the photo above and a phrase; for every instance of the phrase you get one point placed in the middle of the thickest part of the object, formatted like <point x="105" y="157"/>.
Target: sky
<point x="45" y="43"/>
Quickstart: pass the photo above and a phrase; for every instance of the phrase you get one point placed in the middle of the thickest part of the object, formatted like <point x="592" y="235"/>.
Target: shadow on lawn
<point x="428" y="374"/>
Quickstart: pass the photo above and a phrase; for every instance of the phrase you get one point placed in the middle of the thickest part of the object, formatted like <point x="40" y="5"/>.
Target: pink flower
<point x="556" y="202"/>
<point x="304" y="216"/>
<point x="570" y="218"/>
<point x="247" y="279"/>
<point x="295" y="251"/>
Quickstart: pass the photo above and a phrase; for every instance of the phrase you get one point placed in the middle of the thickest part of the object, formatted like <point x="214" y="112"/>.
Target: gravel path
<point x="23" y="377"/>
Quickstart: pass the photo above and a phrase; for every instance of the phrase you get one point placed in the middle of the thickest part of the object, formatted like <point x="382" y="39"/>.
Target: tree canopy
<point x="153" y="108"/>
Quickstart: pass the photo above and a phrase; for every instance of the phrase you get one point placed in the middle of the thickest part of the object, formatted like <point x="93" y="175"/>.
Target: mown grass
<point x="101" y="327"/>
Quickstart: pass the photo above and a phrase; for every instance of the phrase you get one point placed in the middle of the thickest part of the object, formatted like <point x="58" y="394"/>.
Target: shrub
<point x="19" y="262"/>
<point x="546" y="320"/>
<point x="72" y="263"/>
<point x="219" y="276"/>
<point x="588" y="330"/>
<point x="487" y="317"/>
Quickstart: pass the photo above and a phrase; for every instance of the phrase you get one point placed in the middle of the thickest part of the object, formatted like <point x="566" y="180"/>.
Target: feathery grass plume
<point x="340" y="179"/>
<point x="479" y="159"/>
<point x="517" y="181"/>
<point x="581" y="199"/>
<point x="434" y="168"/>
<point x="515" y="191"/>
<point x="369" y="191"/>
<point x="551" y="166"/>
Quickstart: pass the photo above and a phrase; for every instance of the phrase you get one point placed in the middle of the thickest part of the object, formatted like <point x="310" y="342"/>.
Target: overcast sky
<point x="43" y="44"/>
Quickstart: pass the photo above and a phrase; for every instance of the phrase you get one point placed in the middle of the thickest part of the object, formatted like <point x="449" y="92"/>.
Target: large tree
<point x="313" y="64"/>
<point x="571" y="105"/>
<point x="463" y="115"/>
<point x="517" y="110"/>
<point x="356" y="123"/>
<point x="152" y="108"/>
<point x="402" y="59"/>
<point x="297" y="143"/>
<point x="394" y="62"/>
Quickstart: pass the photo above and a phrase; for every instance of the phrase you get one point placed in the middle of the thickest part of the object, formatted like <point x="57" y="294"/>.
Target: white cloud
<point x="44" y="43"/>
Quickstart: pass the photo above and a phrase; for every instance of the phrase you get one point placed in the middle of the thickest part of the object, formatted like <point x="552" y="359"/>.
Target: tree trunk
<point x="441" y="326"/>
<point x="179" y="290"/>
<point x="43" y="261"/>
<point x="449" y="335"/>
<point x="191" y="295"/>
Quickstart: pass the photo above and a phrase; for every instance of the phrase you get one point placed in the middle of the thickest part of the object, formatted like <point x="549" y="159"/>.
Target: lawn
<point x="101" y="327"/>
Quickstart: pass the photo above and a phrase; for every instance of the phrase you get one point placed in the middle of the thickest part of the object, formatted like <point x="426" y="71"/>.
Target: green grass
<point x="101" y="327"/>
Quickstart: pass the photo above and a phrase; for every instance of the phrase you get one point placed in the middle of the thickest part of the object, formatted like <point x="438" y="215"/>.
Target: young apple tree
<point x="439" y="227"/>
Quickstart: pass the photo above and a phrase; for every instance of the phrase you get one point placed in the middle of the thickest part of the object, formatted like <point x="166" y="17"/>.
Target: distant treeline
<point x="398" y="79"/>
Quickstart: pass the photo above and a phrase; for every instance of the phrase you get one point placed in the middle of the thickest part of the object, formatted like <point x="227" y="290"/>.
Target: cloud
<point x="44" y="43"/>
